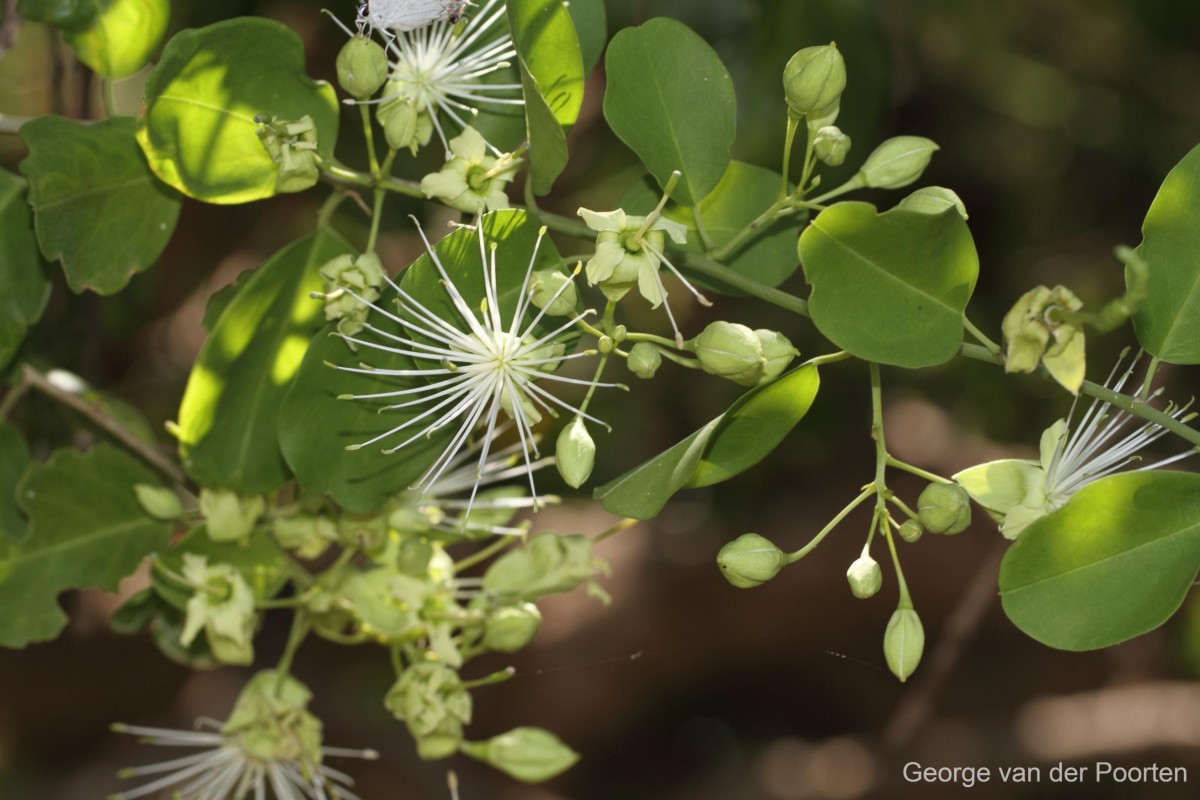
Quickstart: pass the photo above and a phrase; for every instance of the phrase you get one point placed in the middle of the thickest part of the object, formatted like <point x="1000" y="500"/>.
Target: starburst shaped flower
<point x="1107" y="439"/>
<point x="269" y="747"/>
<point x="471" y="370"/>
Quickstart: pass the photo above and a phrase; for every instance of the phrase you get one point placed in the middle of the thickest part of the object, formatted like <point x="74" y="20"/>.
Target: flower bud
<point x="435" y="705"/>
<point x="362" y="67"/>
<point x="544" y="292"/>
<point x="814" y="79"/>
<point x="404" y="125"/>
<point x="510" y="628"/>
<point x="158" y="501"/>
<point x="230" y="518"/>
<point x="831" y="145"/>
<point x="933" y="200"/>
<point x="527" y="754"/>
<point x="644" y="360"/>
<point x="897" y="162"/>
<point x="944" y="508"/>
<point x="363" y="275"/>
<point x="865" y="577"/>
<point x="777" y="351"/>
<point x="750" y="560"/>
<point x="732" y="351"/>
<point x="1030" y="325"/>
<point x="575" y="453"/>
<point x="903" y="642"/>
<point x="911" y="530"/>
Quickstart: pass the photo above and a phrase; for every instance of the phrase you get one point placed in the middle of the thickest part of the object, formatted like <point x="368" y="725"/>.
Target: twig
<point x="115" y="429"/>
<point x="914" y="711"/>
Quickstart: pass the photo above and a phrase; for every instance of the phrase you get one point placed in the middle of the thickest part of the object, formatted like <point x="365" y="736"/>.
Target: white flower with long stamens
<point x="1108" y="439"/>
<point x="442" y="68"/>
<point x="269" y="747"/>
<point x="470" y="369"/>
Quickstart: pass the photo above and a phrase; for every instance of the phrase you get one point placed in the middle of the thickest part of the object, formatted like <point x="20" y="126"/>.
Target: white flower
<point x="1017" y="492"/>
<point x="269" y="746"/>
<point x="474" y="367"/>
<point x="442" y="68"/>
<point x="472" y="181"/>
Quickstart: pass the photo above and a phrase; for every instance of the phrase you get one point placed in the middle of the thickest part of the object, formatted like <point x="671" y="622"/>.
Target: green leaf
<point x="14" y="460"/>
<point x="97" y="208"/>
<point x="197" y="127"/>
<point x="86" y="529"/>
<point x="1113" y="563"/>
<point x="228" y="417"/>
<point x="733" y="442"/>
<point x="72" y="15"/>
<point x="122" y="36"/>
<point x="1168" y="321"/>
<point x="890" y="287"/>
<point x="671" y="100"/>
<point x="24" y="287"/>
<point x="315" y="427"/>
<point x="744" y="192"/>
<point x="591" y="26"/>
<point x="552" y="81"/>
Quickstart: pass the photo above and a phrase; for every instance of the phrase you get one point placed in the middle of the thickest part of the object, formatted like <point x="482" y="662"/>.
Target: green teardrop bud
<point x="732" y="351"/>
<point x="362" y="67"/>
<point x="404" y="125"/>
<point x="831" y="145"/>
<point x="897" y="162"/>
<point x="911" y="530"/>
<point x="944" y="508"/>
<point x="510" y="628"/>
<point x="532" y="755"/>
<point x="903" y="642"/>
<point x="777" y="351"/>
<point x="158" y="501"/>
<point x="644" y="360"/>
<point x="814" y="79"/>
<point x="865" y="577"/>
<point x="750" y="560"/>
<point x="544" y="292"/>
<point x="575" y="453"/>
<point x="933" y="200"/>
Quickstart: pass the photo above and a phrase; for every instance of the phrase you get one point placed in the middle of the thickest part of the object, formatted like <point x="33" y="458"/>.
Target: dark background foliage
<point x="1057" y="120"/>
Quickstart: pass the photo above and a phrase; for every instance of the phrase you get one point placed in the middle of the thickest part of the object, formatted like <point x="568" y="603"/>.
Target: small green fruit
<point x="750" y="560"/>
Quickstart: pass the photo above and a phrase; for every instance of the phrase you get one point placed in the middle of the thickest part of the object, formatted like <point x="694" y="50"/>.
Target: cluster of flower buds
<point x="431" y="699"/>
<point x="747" y="357"/>
<point x="292" y="145"/>
<point x="352" y="283"/>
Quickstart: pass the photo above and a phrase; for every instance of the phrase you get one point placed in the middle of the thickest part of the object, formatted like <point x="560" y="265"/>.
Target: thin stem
<point x="653" y="216"/>
<point x="856" y="182"/>
<point x="723" y="252"/>
<point x="710" y="268"/>
<point x="828" y="358"/>
<point x="483" y="554"/>
<point x="13" y="396"/>
<point x="896" y="501"/>
<point x="809" y="161"/>
<point x="881" y="454"/>
<point x="623" y="525"/>
<point x="369" y="135"/>
<point x="792" y="558"/>
<point x="705" y="239"/>
<point x="651" y="338"/>
<point x="905" y="598"/>
<point x="913" y="470"/>
<point x="295" y="637"/>
<point x="344" y="175"/>
<point x="587" y="398"/>
<point x="489" y="680"/>
<point x="1148" y="382"/>
<point x="981" y="337"/>
<point x="376" y="216"/>
<point x="789" y="138"/>
<point x="115" y="429"/>
<point x="331" y="204"/>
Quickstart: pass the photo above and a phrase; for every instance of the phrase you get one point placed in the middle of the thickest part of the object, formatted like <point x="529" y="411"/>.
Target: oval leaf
<point x="733" y="442"/>
<point x="86" y="529"/>
<point x="122" y="36"/>
<point x="591" y="26"/>
<point x="890" y="287"/>
<point x="743" y="193"/>
<point x="197" y="127"/>
<point x="228" y="417"/>
<point x="1168" y="321"/>
<point x="24" y="287"/>
<point x="97" y="208"/>
<point x="1113" y="563"/>
<point x="671" y="100"/>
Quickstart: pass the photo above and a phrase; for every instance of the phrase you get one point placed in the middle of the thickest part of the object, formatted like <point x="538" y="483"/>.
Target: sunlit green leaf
<point x="552" y="77"/>
<point x="24" y="287"/>
<point x="591" y="26"/>
<point x="743" y="193"/>
<point x="733" y="442"/>
<point x="671" y="100"/>
<point x="97" y="208"/>
<point x="1115" y="562"/>
<point x="1168" y="322"/>
<point x="86" y="528"/>
<point x="890" y="287"/>
<point x="122" y="36"/>
<point x="198" y="128"/>
<point x="228" y="417"/>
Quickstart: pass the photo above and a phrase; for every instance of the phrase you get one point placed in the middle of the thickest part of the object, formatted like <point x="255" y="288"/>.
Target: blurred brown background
<point x="1057" y="120"/>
